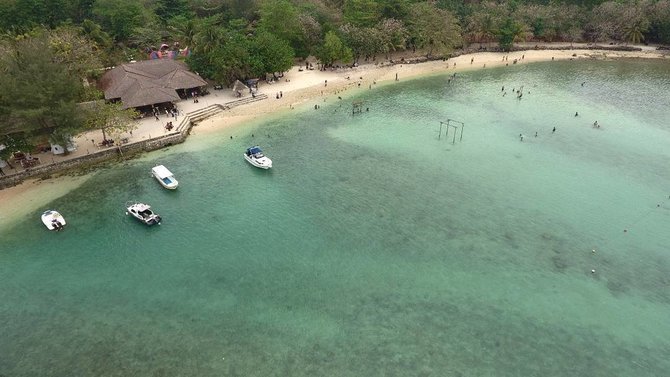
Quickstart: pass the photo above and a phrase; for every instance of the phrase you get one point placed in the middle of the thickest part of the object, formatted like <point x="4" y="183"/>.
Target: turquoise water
<point x="375" y="246"/>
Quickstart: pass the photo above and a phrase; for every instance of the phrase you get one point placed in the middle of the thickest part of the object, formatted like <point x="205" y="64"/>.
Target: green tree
<point x="143" y="37"/>
<point x="39" y="92"/>
<point x="281" y="18"/>
<point x="95" y="33"/>
<point x="634" y="33"/>
<point x="606" y="22"/>
<point x="23" y="15"/>
<point x="120" y="17"/>
<point x="364" y="13"/>
<point x="396" y="9"/>
<point x="183" y="29"/>
<point x="433" y="28"/>
<point x="110" y="118"/>
<point x="481" y="28"/>
<point x="509" y="31"/>
<point x="275" y="54"/>
<point x="393" y="34"/>
<point x="73" y="49"/>
<point x="659" y="22"/>
<point x="363" y="41"/>
<point x="333" y="50"/>
<point x="226" y="62"/>
<point x="167" y="9"/>
<point x="312" y="32"/>
<point x="208" y="38"/>
<point x="13" y="143"/>
<point x="82" y="10"/>
<point x="636" y="23"/>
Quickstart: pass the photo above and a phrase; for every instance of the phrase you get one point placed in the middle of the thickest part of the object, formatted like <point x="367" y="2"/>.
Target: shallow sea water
<point x="374" y="247"/>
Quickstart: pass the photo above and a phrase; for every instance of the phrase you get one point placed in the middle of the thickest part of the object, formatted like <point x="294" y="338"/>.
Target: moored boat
<point x="255" y="157"/>
<point x="165" y="177"/>
<point x="53" y="220"/>
<point x="143" y="213"/>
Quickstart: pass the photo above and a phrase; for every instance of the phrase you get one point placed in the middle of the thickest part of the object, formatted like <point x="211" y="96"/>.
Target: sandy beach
<point x="298" y="87"/>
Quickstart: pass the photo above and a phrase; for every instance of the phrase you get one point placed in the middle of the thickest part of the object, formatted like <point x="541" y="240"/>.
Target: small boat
<point x="143" y="213"/>
<point x="53" y="220"/>
<point x="255" y="157"/>
<point x="165" y="177"/>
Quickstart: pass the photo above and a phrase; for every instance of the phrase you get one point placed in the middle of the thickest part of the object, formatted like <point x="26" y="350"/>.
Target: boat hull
<point x="168" y="182"/>
<point x="53" y="220"/>
<point x="262" y="164"/>
<point x="143" y="213"/>
<point x="164" y="177"/>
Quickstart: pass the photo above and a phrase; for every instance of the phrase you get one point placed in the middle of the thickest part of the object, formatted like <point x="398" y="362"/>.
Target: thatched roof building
<point x="149" y="82"/>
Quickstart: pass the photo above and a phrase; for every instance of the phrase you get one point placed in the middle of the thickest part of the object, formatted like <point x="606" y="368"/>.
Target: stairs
<point x="244" y="101"/>
<point x="211" y="110"/>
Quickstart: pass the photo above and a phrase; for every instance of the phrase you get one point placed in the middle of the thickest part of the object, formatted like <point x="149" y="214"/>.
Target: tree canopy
<point x="49" y="48"/>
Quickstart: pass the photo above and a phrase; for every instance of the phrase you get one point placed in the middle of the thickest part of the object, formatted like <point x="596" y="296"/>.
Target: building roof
<point x="148" y="82"/>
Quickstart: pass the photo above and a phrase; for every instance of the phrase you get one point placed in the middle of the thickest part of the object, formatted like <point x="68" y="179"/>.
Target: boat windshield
<point x="255" y="151"/>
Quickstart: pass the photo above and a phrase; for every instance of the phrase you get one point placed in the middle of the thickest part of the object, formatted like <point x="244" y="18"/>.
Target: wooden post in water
<point x="454" y="137"/>
<point x="462" y="125"/>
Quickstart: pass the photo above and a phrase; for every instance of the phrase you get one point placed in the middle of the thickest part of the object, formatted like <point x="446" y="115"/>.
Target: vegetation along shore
<point x="59" y="102"/>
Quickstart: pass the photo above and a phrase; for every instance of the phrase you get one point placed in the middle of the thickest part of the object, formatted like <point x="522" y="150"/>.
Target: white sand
<point x="298" y="88"/>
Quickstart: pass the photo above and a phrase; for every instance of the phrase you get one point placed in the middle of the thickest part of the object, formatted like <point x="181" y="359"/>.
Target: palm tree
<point x="634" y="33"/>
<point x="482" y="29"/>
<point x="208" y="39"/>
<point x="185" y="30"/>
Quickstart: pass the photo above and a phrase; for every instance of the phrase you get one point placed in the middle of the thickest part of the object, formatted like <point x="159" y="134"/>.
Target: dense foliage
<point x="50" y="47"/>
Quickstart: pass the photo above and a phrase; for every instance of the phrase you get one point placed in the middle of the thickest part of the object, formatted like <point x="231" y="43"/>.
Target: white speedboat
<point x="255" y="157"/>
<point x="53" y="220"/>
<point x="143" y="213"/>
<point x="165" y="177"/>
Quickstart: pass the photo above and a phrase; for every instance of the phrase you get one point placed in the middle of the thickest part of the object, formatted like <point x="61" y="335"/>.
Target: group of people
<point x="56" y="224"/>
<point x="553" y="130"/>
<point x="173" y="112"/>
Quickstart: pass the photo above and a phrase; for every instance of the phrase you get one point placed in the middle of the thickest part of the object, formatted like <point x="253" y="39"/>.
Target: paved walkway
<point x="147" y="128"/>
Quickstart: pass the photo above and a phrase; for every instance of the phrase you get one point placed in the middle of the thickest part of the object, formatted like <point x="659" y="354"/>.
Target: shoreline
<point x="369" y="75"/>
<point x="298" y="88"/>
